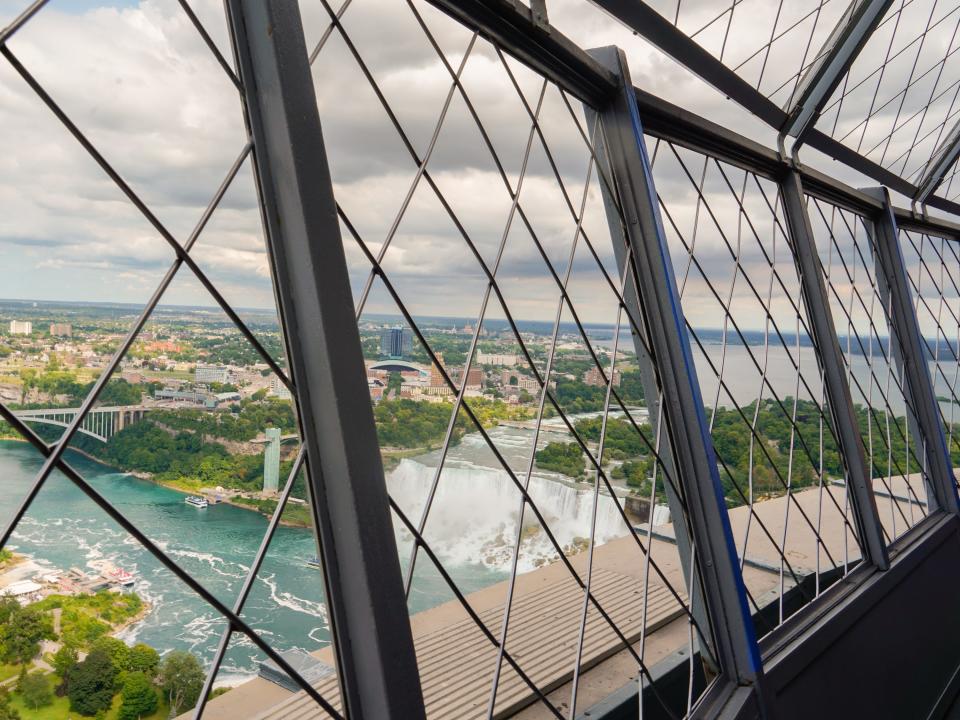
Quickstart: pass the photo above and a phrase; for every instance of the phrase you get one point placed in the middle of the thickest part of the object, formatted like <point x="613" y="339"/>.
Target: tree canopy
<point x="92" y="684"/>
<point x="181" y="678"/>
<point x="139" y="698"/>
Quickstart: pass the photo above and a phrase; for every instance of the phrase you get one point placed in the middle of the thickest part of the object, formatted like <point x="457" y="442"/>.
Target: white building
<point x="499" y="360"/>
<point x="20" y="327"/>
<point x="278" y="389"/>
<point x="211" y="374"/>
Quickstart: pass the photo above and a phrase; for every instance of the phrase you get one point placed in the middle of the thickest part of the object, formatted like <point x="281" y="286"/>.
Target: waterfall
<point x="474" y="514"/>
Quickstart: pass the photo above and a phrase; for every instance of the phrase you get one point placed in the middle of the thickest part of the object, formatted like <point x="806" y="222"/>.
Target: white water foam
<point x="293" y="602"/>
<point x="473" y="519"/>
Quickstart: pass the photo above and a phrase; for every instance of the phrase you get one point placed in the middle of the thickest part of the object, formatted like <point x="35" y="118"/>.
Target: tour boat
<point x="196" y="501"/>
<point x="314" y="563"/>
<point x="115" y="574"/>
<point x="121" y="576"/>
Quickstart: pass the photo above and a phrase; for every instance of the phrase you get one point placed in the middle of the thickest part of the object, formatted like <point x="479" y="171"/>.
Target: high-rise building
<point x="595" y="378"/>
<point x="396" y="342"/>
<point x="271" y="461"/>
<point x="436" y="377"/>
<point x="61" y="329"/>
<point x="278" y="389"/>
<point x="21" y="327"/>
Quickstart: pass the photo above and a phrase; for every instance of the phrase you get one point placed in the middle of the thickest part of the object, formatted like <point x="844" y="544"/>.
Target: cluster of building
<point x="26" y="590"/>
<point x="197" y="395"/>
<point x="25" y="327"/>
<point x="501" y="374"/>
<point x="428" y="383"/>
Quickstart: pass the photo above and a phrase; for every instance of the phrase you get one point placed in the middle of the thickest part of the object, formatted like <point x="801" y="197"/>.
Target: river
<point x="471" y="527"/>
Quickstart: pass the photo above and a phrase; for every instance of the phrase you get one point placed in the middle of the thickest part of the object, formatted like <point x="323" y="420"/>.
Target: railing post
<point x="364" y="591"/>
<point x="684" y="416"/>
<point x="830" y="356"/>
<point x="911" y="354"/>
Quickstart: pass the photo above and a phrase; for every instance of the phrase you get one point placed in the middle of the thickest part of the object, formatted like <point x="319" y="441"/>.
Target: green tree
<point x="91" y="684"/>
<point x="64" y="661"/>
<point x="144" y="659"/>
<point x="36" y="691"/>
<point x="181" y="678"/>
<point x="117" y="650"/>
<point x="139" y="697"/>
<point x="394" y="384"/>
<point x="21" y="630"/>
<point x="565" y="458"/>
<point x="6" y="711"/>
<point x="28" y="380"/>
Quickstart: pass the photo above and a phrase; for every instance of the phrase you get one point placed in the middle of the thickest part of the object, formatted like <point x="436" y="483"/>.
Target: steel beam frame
<point x="830" y="357"/>
<point x="521" y="33"/>
<point x="373" y="644"/>
<point x="834" y="59"/>
<point x="911" y="355"/>
<point x="525" y="33"/>
<point x="939" y="165"/>
<point x="685" y="421"/>
<point x="651" y="390"/>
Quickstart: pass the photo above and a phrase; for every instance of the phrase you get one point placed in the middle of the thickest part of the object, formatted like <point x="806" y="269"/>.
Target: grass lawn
<point x="8" y="671"/>
<point x="60" y="709"/>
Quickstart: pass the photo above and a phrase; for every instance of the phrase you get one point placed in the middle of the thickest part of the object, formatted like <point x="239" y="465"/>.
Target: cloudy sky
<point x="137" y="79"/>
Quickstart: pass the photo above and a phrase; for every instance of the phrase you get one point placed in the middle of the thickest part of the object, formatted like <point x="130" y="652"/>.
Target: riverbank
<point x="188" y="489"/>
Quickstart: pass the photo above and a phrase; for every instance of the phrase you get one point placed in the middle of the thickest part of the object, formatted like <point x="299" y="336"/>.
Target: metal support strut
<point x="912" y="355"/>
<point x="364" y="591"/>
<point x="813" y="290"/>
<point x="686" y="424"/>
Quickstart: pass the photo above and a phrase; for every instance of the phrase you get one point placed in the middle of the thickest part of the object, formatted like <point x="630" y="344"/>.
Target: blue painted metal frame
<point x="685" y="418"/>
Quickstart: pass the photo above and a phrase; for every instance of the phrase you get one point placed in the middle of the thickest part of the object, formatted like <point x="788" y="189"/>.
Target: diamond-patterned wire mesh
<point x="949" y="188"/>
<point x="760" y="376"/>
<point x="873" y="358"/>
<point x="768" y="44"/>
<point x="898" y="101"/>
<point x="528" y="481"/>
<point x="932" y="263"/>
<point x="206" y="592"/>
<point x="608" y="617"/>
<point x="550" y="489"/>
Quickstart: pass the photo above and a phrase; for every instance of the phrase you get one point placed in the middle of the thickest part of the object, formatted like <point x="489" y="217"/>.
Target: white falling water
<point x="474" y="514"/>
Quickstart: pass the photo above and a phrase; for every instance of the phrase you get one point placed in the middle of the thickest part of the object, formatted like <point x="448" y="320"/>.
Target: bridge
<point x="100" y="423"/>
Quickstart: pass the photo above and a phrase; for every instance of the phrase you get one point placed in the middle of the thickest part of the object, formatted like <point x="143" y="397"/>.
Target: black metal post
<point x="686" y="423"/>
<point x="814" y="292"/>
<point x="364" y="590"/>
<point x="912" y="355"/>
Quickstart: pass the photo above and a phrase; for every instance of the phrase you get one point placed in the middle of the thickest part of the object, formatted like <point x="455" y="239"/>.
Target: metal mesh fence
<point x="931" y="270"/>
<point x="760" y="376"/>
<point x="909" y="86"/>
<point x="543" y="530"/>
<point x="873" y="356"/>
<point x="223" y="606"/>
<point x="542" y="281"/>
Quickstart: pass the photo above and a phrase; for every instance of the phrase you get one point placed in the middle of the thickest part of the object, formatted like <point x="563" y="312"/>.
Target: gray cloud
<point x="139" y="81"/>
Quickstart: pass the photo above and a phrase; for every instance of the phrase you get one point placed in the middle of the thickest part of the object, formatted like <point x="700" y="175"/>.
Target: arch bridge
<point x="100" y="423"/>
